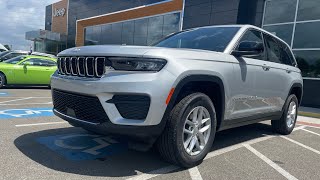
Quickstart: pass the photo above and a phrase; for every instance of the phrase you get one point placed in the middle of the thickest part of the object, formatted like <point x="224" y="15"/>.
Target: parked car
<point x="2" y="48"/>
<point x="11" y="54"/>
<point x="180" y="92"/>
<point x="27" y="70"/>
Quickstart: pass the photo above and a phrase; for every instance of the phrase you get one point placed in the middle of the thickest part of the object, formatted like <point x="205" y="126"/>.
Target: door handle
<point x="265" y="67"/>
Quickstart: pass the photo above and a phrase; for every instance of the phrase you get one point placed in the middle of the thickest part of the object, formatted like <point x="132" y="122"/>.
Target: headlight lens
<point x="137" y="64"/>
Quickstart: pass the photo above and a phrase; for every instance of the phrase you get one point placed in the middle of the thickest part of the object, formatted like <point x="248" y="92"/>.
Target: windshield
<point x="208" y="38"/>
<point x="14" y="60"/>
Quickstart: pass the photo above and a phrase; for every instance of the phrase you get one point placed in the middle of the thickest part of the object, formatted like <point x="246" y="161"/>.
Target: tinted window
<point x="14" y="60"/>
<point x="308" y="10"/>
<point x="280" y="11"/>
<point x="11" y="55"/>
<point x="286" y="55"/>
<point x="307" y="35"/>
<point x="273" y="49"/>
<point x="211" y="38"/>
<point x="39" y="62"/>
<point x="253" y="36"/>
<point x="282" y="31"/>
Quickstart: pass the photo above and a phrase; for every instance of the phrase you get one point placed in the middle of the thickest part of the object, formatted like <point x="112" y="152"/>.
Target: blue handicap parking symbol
<point x="84" y="146"/>
<point x="4" y="94"/>
<point x="25" y="113"/>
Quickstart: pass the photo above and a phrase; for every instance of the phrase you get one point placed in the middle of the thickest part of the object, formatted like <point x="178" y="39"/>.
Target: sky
<point x="18" y="17"/>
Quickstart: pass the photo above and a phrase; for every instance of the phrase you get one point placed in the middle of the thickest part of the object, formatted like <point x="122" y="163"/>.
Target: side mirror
<point x="248" y="48"/>
<point x="26" y="64"/>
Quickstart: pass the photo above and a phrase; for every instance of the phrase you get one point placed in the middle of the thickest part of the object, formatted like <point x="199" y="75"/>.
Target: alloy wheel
<point x="196" y="130"/>
<point x="291" y="115"/>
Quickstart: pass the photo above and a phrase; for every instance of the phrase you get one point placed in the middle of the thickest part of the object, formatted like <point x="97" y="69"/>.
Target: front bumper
<point x="154" y="85"/>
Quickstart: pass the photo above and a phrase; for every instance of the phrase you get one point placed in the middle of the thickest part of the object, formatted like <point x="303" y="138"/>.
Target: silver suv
<point x="179" y="92"/>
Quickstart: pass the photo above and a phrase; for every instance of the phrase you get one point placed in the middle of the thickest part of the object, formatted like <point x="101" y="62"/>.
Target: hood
<point x="108" y="50"/>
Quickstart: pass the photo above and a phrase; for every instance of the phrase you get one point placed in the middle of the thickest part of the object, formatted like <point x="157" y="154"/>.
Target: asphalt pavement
<point x="34" y="144"/>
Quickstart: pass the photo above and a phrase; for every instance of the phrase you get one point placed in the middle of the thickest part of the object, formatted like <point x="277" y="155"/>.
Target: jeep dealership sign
<point x="59" y="12"/>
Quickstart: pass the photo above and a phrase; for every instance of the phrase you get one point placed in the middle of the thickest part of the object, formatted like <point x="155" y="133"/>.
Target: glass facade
<point x="80" y="9"/>
<point x="142" y="31"/>
<point x="297" y="22"/>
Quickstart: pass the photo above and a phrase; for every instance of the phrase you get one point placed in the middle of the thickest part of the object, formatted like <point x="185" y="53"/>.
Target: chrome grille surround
<point x="92" y="67"/>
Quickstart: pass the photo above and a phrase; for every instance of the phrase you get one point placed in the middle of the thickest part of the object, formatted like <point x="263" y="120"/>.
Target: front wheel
<point x="190" y="131"/>
<point x="287" y="122"/>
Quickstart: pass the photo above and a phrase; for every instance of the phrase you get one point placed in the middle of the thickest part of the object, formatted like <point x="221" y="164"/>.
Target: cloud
<point x="18" y="17"/>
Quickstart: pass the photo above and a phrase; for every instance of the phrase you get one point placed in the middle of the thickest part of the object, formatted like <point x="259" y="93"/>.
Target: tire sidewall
<point x="291" y="98"/>
<point x="3" y="80"/>
<point x="197" y="100"/>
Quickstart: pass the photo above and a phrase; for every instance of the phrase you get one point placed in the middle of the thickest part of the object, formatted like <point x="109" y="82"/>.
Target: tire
<point x="171" y="143"/>
<point x="2" y="80"/>
<point x="290" y="113"/>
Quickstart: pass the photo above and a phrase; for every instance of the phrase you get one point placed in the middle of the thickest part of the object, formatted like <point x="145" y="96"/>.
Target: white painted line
<point x="311" y="132"/>
<point x="218" y="152"/>
<point x="302" y="145"/>
<point x="16" y="100"/>
<point x="40" y="124"/>
<point x="195" y="174"/>
<point x="270" y="163"/>
<point x="299" y="128"/>
<point x="25" y="104"/>
<point x="6" y="97"/>
<point x="155" y="173"/>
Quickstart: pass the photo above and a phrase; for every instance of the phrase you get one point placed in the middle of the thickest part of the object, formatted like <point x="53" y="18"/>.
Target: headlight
<point x="136" y="64"/>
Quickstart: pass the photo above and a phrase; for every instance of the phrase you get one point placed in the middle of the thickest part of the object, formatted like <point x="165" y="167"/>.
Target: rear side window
<point x="273" y="49"/>
<point x="278" y="52"/>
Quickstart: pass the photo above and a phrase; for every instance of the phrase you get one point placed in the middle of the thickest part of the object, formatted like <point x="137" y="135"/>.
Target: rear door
<point x="278" y="81"/>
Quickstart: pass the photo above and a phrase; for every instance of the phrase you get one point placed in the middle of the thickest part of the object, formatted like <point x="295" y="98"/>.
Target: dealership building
<point x="71" y="23"/>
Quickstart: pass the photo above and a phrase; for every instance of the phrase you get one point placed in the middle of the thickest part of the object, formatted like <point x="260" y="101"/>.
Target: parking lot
<point x="37" y="145"/>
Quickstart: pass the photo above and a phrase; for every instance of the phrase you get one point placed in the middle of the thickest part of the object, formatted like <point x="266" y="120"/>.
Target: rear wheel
<point x="287" y="122"/>
<point x="190" y="131"/>
<point x="2" y="80"/>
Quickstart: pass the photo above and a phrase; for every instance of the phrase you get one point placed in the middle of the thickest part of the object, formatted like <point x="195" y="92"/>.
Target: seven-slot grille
<point x="82" y="66"/>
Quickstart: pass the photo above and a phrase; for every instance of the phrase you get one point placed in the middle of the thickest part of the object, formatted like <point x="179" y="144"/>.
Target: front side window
<point x="255" y="37"/>
<point x="210" y="38"/>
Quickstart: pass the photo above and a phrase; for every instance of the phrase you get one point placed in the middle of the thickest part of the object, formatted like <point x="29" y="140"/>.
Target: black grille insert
<point x="132" y="106"/>
<point x="85" y="108"/>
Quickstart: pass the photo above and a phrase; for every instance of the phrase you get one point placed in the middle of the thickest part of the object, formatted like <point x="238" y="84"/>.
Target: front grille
<point x="82" y="66"/>
<point x="85" y="108"/>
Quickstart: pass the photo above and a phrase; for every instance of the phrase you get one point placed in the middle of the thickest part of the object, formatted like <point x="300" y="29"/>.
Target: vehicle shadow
<point x="122" y="164"/>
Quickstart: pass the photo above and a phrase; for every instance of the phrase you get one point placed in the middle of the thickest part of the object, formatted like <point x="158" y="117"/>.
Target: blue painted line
<point x="25" y="113"/>
<point x="4" y="94"/>
<point x="77" y="147"/>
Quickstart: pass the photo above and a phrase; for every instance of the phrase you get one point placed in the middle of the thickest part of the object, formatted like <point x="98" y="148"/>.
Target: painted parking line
<point x="78" y="147"/>
<point x="25" y="113"/>
<point x="46" y="103"/>
<point x="270" y="163"/>
<point x="168" y="169"/>
<point x="302" y="145"/>
<point x="40" y="124"/>
<point x="195" y="174"/>
<point x="309" y="124"/>
<point x="14" y="100"/>
<point x="311" y="132"/>
<point x="4" y="94"/>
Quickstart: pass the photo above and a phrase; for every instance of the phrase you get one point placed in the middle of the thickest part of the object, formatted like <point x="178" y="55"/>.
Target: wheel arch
<point x="186" y="86"/>
<point x="5" y="77"/>
<point x="297" y="89"/>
